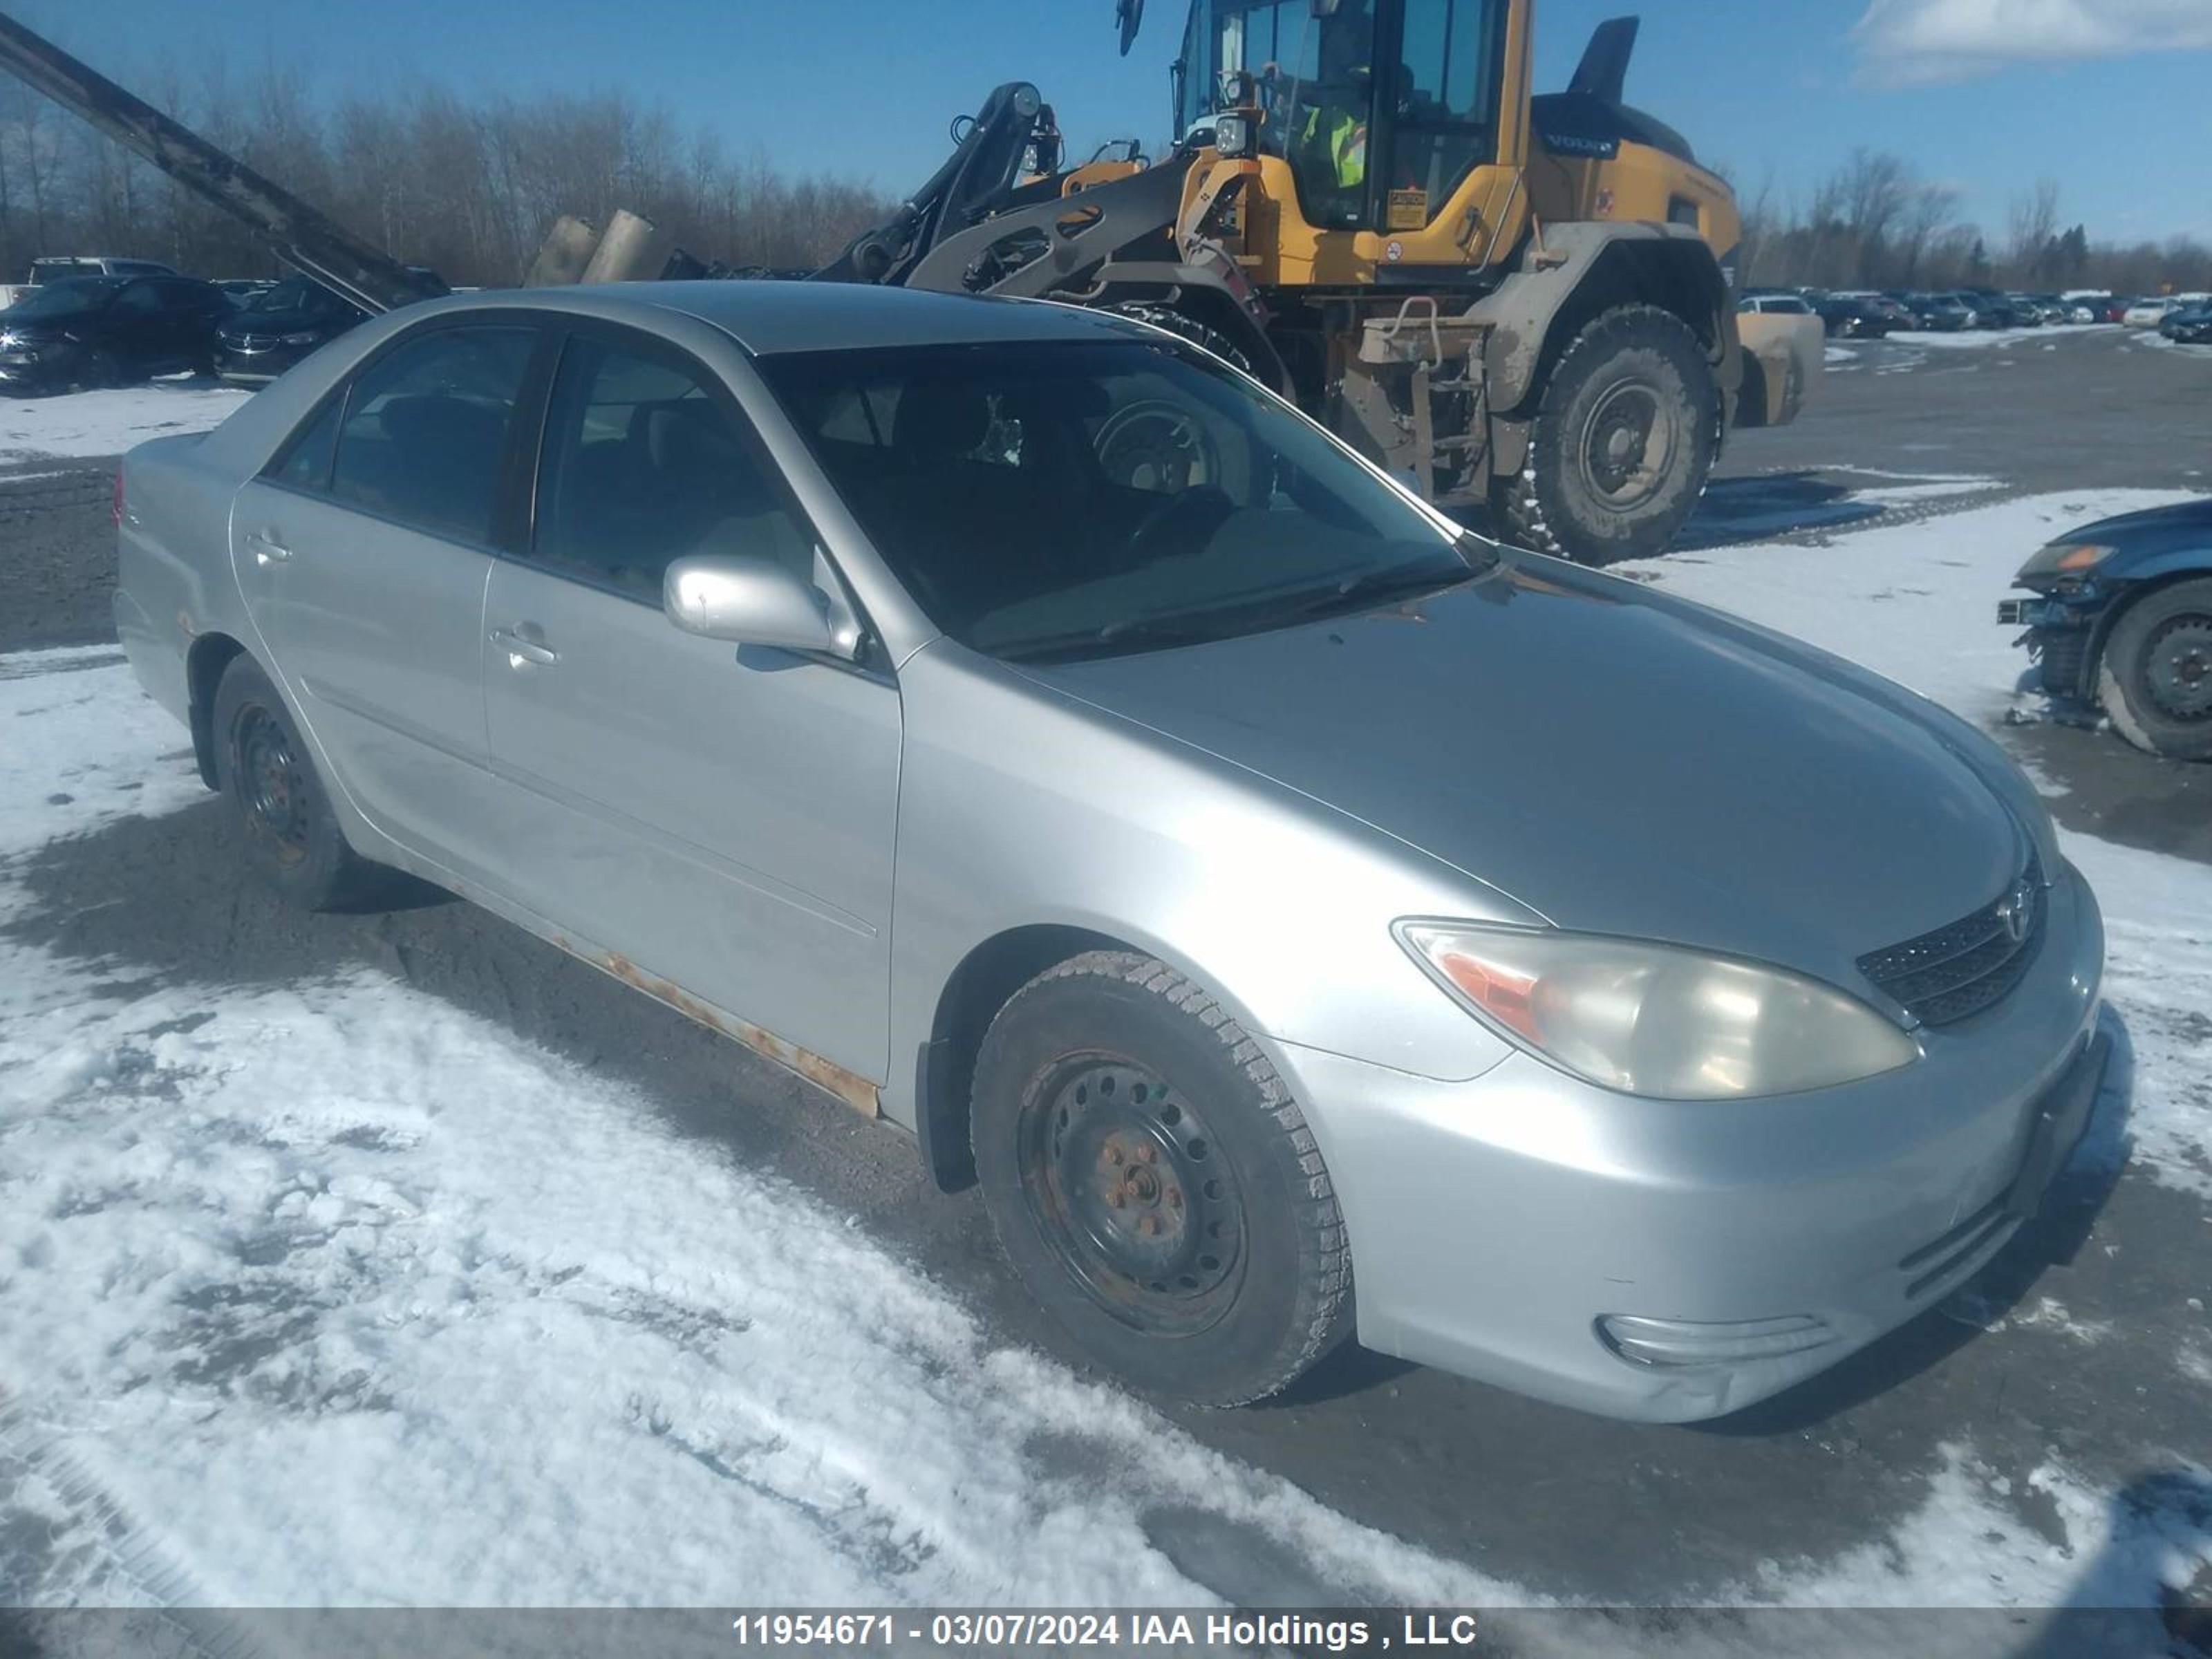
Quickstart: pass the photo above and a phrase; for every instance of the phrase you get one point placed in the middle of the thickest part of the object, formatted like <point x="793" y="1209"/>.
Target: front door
<point x="719" y="818"/>
<point x="363" y="550"/>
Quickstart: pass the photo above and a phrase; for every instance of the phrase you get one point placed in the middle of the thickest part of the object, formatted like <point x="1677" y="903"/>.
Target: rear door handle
<point x="520" y="650"/>
<point x="267" y="550"/>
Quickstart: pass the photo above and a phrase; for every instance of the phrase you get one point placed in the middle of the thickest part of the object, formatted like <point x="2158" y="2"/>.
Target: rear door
<point x="363" y="550"/>
<point x="721" y="817"/>
<point x="137" y="326"/>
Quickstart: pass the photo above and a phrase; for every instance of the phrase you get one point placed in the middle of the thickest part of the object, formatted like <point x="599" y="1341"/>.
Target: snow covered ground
<point x="81" y="423"/>
<point x="329" y="1292"/>
<point x="1968" y="339"/>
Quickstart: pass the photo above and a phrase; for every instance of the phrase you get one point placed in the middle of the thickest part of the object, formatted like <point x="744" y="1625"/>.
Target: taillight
<point x="119" y="493"/>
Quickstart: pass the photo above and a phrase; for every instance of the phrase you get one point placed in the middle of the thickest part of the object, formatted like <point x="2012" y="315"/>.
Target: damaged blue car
<point x="2121" y="621"/>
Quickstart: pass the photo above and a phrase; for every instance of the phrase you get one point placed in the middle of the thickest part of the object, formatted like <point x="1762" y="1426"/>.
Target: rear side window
<point x="305" y="461"/>
<point x="426" y="427"/>
<point x="642" y="465"/>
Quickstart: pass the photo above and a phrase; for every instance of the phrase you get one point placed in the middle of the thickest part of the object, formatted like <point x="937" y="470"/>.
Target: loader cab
<point x="1381" y="109"/>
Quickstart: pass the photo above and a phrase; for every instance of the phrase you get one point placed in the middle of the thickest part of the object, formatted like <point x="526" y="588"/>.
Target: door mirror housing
<point x="747" y="602"/>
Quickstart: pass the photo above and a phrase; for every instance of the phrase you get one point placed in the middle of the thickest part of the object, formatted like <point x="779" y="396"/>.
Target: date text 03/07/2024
<point x="1331" y="1632"/>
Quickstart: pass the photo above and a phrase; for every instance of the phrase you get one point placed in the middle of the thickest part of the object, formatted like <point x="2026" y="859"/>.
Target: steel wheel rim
<point x="1628" y="445"/>
<point x="2178" y="668"/>
<point x="1126" y="1183"/>
<point x="270" y="785"/>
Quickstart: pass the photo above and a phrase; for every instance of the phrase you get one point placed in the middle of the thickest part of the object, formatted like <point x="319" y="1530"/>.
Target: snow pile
<point x="1965" y="1548"/>
<point x="80" y="424"/>
<point x="1970" y="337"/>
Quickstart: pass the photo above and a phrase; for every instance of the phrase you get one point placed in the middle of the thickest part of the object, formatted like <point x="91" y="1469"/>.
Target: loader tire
<point x="1623" y="438"/>
<point x="1189" y="328"/>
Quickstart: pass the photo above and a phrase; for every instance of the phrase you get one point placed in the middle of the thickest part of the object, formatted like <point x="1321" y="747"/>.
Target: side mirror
<point x="747" y="601"/>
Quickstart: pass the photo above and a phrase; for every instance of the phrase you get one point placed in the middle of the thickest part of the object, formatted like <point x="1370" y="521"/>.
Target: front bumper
<point x="48" y="369"/>
<point x="2060" y="629"/>
<point x="1496" y="1224"/>
<point x="255" y="367"/>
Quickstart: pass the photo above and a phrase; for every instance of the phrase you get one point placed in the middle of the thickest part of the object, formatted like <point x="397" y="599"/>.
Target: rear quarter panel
<point x="173" y="580"/>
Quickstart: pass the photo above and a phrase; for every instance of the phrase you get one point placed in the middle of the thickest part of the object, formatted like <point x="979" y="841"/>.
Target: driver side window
<point x="643" y="464"/>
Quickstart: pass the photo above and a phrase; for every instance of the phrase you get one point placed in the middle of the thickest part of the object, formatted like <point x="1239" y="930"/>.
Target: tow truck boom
<point x="292" y="230"/>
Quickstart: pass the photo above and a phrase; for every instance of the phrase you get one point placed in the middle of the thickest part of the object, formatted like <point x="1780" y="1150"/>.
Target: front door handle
<point x="521" y="650"/>
<point x="267" y="550"/>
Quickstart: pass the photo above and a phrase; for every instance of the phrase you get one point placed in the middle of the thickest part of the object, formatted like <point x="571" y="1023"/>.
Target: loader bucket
<point x="1782" y="359"/>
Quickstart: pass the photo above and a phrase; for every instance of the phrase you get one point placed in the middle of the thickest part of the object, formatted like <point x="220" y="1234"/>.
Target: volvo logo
<point x="2016" y="908"/>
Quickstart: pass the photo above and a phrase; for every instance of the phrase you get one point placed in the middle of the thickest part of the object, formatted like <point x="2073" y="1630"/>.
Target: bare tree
<point x="2033" y="223"/>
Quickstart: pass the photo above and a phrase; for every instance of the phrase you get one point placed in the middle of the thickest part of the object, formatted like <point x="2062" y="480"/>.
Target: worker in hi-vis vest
<point x="1328" y="115"/>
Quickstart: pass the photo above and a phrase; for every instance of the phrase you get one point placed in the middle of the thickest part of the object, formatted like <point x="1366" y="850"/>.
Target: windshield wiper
<point x="1361" y="590"/>
<point x="1369" y="588"/>
<point x="1182" y="628"/>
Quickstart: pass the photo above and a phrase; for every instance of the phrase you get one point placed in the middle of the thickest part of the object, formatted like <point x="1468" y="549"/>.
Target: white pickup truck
<point x="66" y="265"/>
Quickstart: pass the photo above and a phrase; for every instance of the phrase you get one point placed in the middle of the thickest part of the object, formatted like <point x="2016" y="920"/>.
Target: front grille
<point x="2060" y="653"/>
<point x="1961" y="969"/>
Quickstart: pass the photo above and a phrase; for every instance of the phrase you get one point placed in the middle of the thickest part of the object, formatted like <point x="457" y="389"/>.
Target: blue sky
<point x="2109" y="97"/>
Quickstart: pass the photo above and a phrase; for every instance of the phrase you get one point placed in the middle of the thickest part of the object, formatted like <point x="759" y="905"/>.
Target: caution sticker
<point x="1409" y="209"/>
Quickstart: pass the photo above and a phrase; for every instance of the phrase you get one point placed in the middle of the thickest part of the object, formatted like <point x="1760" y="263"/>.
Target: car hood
<point x="47" y="322"/>
<point x="2148" y="535"/>
<point x="1617" y="760"/>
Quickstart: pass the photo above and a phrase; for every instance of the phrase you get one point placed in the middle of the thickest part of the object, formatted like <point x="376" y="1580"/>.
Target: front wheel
<point x="1623" y="440"/>
<point x="2154" y="679"/>
<point x="1154" y="1183"/>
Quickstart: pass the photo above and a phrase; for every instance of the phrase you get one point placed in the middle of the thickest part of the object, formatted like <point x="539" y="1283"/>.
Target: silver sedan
<point x="1037" y="734"/>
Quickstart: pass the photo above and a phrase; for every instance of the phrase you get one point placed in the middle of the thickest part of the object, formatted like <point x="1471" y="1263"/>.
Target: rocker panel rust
<point x="855" y="1090"/>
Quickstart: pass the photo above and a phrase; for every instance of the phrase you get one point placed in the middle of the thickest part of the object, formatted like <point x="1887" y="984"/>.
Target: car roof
<point x="769" y="317"/>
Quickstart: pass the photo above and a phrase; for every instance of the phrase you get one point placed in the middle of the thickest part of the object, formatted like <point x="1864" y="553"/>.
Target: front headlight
<point x="1656" y="1019"/>
<point x="2065" y="559"/>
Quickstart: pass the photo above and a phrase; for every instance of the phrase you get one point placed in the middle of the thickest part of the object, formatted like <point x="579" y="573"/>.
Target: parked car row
<point x="2191" y="325"/>
<point x="2152" y="311"/>
<point x="103" y="330"/>
<point x="1868" y="313"/>
<point x="94" y="321"/>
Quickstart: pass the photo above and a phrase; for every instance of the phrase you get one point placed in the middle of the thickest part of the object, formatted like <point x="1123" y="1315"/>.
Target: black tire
<point x="2154" y="676"/>
<point x="1189" y="328"/>
<point x="1221" y="1272"/>
<point x="101" y="370"/>
<point x="1590" y="488"/>
<point x="265" y="774"/>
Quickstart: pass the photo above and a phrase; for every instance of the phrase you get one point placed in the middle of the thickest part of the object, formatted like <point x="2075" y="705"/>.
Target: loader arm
<point x="295" y="232"/>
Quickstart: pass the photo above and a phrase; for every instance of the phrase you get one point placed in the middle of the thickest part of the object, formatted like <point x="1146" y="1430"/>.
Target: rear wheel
<point x="1623" y="440"/>
<point x="263" y="769"/>
<point x="1155" y="1185"/>
<point x="2154" y="679"/>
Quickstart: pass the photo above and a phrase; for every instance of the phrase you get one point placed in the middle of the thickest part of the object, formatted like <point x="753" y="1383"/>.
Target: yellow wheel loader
<point x="1514" y="301"/>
